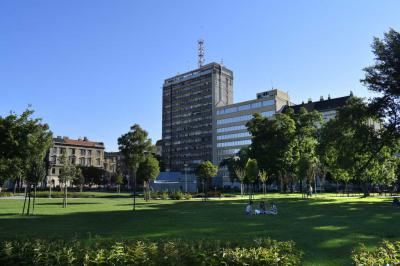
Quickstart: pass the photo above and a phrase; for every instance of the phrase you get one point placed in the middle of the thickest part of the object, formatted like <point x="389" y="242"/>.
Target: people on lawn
<point x="249" y="208"/>
<point x="396" y="202"/>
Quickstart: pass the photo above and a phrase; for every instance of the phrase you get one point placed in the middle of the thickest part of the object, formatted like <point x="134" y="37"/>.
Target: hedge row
<point x="174" y="252"/>
<point x="388" y="253"/>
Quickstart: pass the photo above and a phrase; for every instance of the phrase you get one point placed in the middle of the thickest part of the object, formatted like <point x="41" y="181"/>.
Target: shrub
<point x="176" y="195"/>
<point x="213" y="194"/>
<point x="154" y="195"/>
<point x="164" y="196"/>
<point x="386" y="254"/>
<point x="167" y="252"/>
<point x="6" y="194"/>
<point x="187" y="196"/>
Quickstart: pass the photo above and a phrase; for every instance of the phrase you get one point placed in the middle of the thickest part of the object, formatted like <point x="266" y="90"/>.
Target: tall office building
<point x="188" y="117"/>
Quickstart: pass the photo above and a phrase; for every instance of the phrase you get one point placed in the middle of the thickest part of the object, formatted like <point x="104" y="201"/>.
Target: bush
<point x="164" y="196"/>
<point x="168" y="252"/>
<point x="387" y="254"/>
<point x="6" y="194"/>
<point x="154" y="195"/>
<point x="72" y="194"/>
<point x="176" y="195"/>
<point x="187" y="196"/>
<point x="213" y="194"/>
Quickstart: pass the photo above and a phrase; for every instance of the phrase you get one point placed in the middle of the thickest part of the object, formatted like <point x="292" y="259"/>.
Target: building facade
<point x="80" y="152"/>
<point x="231" y="132"/>
<point x="111" y="162"/>
<point x="188" y="115"/>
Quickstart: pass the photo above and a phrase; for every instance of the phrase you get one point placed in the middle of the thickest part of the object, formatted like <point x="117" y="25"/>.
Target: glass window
<point x="256" y="105"/>
<point x="268" y="102"/>
<point x="244" y="107"/>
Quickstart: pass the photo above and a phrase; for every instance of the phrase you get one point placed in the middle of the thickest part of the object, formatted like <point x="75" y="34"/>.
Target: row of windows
<point x="234" y="136"/>
<point x="82" y="152"/>
<point x="234" y="143"/>
<point x="242" y="118"/>
<point x="229" y="129"/>
<point x="249" y="106"/>
<point x="228" y="152"/>
<point x="72" y="160"/>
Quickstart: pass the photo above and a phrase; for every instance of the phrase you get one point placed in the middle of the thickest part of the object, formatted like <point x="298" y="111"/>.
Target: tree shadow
<point x="326" y="229"/>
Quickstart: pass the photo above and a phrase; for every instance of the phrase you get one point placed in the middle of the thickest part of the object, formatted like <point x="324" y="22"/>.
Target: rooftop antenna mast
<point x="200" y="43"/>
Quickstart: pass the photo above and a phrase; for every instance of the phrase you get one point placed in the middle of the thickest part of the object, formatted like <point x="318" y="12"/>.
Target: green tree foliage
<point x="148" y="170"/>
<point x="263" y="176"/>
<point x="79" y="179"/>
<point x="134" y="146"/>
<point x="352" y="146"/>
<point x="274" y="144"/>
<point x="205" y="171"/>
<point x="93" y="175"/>
<point x="68" y="172"/>
<point x="119" y="180"/>
<point x="24" y="142"/>
<point x="384" y="77"/>
<point x="251" y="175"/>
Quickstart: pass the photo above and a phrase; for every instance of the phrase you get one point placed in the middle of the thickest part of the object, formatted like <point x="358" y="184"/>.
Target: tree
<point x="79" y="179"/>
<point x="384" y="77"/>
<point x="92" y="175"/>
<point x="134" y="146"/>
<point x="23" y="139"/>
<point x="251" y="175"/>
<point x="273" y="145"/>
<point x="68" y="172"/>
<point x="205" y="171"/>
<point x="263" y="176"/>
<point x="148" y="170"/>
<point x="241" y="175"/>
<point x="119" y="180"/>
<point x="36" y="174"/>
<point x="353" y="147"/>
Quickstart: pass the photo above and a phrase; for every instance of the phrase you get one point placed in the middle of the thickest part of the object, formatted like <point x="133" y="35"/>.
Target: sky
<point x="94" y="68"/>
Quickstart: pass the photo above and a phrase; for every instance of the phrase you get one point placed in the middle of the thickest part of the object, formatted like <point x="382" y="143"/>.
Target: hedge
<point x="388" y="253"/>
<point x="167" y="252"/>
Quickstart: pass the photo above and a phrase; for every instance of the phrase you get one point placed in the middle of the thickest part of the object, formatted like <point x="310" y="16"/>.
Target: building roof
<point x="112" y="154"/>
<point x="79" y="142"/>
<point x="322" y="105"/>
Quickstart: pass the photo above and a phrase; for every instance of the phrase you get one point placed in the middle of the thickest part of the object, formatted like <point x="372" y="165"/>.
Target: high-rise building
<point x="231" y="132"/>
<point x="188" y="117"/>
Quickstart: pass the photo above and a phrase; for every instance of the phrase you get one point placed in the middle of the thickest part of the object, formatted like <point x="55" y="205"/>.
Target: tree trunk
<point x="29" y="200"/>
<point x="23" y="208"/>
<point x="365" y="188"/>
<point x="81" y="188"/>
<point x="34" y="199"/>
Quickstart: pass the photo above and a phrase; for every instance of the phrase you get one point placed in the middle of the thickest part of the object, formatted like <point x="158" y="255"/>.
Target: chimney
<point x="321" y="98"/>
<point x="309" y="100"/>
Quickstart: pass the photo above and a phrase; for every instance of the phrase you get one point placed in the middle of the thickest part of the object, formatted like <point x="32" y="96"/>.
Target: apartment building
<point x="111" y="161"/>
<point x="231" y="134"/>
<point x="81" y="152"/>
<point x="188" y="115"/>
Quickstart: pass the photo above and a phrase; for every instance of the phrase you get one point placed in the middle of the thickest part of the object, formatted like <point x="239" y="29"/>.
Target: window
<point x="268" y="113"/>
<point x="89" y="152"/>
<point x="256" y="105"/>
<point x="228" y="129"/>
<point x="234" y="136"/>
<point x="98" y="153"/>
<point x="98" y="161"/>
<point x="268" y="102"/>
<point x="62" y="150"/>
<point x="89" y="161"/>
<point x="82" y="161"/>
<point x="53" y="170"/>
<point x="244" y="107"/>
<point x="83" y="152"/>
<point x="55" y="150"/>
<point x="234" y="143"/>
<point x="72" y="151"/>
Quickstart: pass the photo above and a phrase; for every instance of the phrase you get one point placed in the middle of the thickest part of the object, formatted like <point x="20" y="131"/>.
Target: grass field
<point x="326" y="228"/>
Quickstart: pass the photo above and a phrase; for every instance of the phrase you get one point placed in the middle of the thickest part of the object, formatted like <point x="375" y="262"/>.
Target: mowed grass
<point x="326" y="228"/>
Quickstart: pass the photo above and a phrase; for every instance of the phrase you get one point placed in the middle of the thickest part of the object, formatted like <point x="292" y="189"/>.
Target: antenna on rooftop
<point x="200" y="43"/>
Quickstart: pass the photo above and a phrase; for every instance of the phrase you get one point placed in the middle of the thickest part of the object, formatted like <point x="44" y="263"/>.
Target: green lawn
<point x="326" y="228"/>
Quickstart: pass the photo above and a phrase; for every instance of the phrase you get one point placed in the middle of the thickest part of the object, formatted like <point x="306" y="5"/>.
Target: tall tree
<point x="148" y="170"/>
<point x="240" y="173"/>
<point x="353" y="146"/>
<point x="273" y="145"/>
<point x="384" y="77"/>
<point x="263" y="176"/>
<point x="22" y="140"/>
<point x="134" y="146"/>
<point x="205" y="171"/>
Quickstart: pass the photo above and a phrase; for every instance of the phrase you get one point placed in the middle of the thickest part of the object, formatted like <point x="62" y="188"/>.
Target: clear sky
<point x="94" y="68"/>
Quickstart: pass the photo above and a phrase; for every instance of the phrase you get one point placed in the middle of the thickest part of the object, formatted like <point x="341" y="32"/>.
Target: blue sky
<point x="93" y="68"/>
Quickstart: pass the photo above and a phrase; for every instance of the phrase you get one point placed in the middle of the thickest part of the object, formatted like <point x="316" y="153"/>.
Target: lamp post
<point x="185" y="165"/>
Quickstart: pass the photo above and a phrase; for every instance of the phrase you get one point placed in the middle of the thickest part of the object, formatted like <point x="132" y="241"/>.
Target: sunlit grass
<point x="327" y="227"/>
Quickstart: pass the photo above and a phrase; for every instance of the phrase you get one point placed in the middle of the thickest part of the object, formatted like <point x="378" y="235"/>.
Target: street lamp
<point x="185" y="165"/>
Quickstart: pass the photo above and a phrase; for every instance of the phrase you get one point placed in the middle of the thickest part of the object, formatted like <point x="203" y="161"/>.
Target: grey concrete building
<point x="231" y="133"/>
<point x="188" y="115"/>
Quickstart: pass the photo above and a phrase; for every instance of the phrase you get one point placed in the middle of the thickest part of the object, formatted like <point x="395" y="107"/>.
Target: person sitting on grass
<point x="249" y="208"/>
<point x="396" y="202"/>
<point x="273" y="210"/>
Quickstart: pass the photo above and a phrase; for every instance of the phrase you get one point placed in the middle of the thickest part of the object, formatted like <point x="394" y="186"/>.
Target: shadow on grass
<point x="325" y="229"/>
<point x="69" y="203"/>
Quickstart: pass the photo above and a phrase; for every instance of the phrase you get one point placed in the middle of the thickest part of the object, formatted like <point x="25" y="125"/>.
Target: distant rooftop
<point x="79" y="142"/>
<point x="321" y="105"/>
